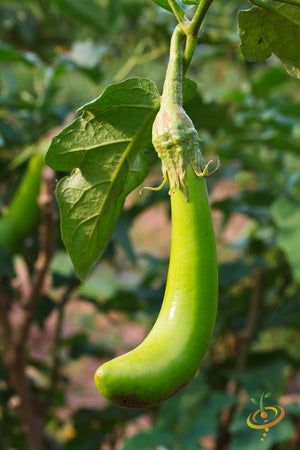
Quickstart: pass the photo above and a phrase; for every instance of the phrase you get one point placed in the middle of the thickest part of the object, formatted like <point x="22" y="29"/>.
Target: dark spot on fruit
<point x="131" y="402"/>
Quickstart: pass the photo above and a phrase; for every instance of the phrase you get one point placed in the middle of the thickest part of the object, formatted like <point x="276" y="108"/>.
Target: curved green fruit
<point x="23" y="212"/>
<point x="170" y="355"/>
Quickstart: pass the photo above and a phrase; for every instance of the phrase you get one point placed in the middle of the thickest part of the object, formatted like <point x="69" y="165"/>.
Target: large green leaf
<point x="260" y="36"/>
<point x="286" y="214"/>
<point x="102" y="147"/>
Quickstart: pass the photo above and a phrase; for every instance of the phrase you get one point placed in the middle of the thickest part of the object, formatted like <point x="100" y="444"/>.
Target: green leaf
<point x="290" y="12"/>
<point x="258" y="30"/>
<point x="102" y="147"/>
<point x="189" y="87"/>
<point x="286" y="214"/>
<point x="268" y="394"/>
<point x="163" y="4"/>
<point x="253" y="400"/>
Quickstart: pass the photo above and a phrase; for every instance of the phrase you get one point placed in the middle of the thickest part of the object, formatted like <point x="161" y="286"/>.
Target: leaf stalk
<point x="177" y="11"/>
<point x="192" y="31"/>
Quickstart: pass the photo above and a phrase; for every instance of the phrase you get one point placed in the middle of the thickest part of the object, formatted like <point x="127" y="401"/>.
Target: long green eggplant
<point x="171" y="354"/>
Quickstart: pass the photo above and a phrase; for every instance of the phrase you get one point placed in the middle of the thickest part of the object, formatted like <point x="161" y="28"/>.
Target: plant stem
<point x="56" y="359"/>
<point x="199" y="16"/>
<point x="138" y="58"/>
<point x="177" y="11"/>
<point x="192" y="31"/>
<point x="131" y="62"/>
<point x="172" y="90"/>
<point x="30" y="419"/>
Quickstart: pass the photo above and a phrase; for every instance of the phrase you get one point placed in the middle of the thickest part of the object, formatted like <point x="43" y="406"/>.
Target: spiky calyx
<point x="173" y="135"/>
<point x="177" y="144"/>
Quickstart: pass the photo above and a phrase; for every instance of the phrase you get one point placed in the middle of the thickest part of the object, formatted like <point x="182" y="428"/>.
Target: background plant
<point x="59" y="55"/>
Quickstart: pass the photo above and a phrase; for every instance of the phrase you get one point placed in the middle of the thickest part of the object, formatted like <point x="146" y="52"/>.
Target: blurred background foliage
<point x="57" y="55"/>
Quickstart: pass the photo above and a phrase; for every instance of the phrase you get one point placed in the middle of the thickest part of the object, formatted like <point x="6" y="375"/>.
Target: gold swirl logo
<point x="266" y="416"/>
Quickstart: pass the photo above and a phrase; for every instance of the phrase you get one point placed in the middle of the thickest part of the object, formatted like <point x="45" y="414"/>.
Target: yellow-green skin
<point x="171" y="354"/>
